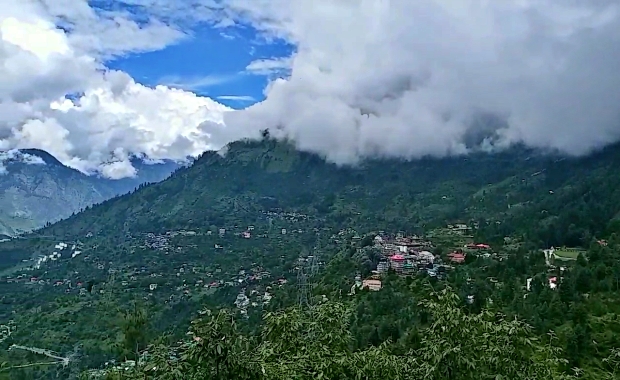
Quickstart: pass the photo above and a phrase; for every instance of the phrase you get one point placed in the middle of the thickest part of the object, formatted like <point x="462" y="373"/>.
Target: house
<point x="456" y="257"/>
<point x="372" y="284"/>
<point x="426" y="257"/>
<point x="383" y="267"/>
<point x="478" y="246"/>
<point x="408" y="268"/>
<point x="246" y="235"/>
<point x="397" y="262"/>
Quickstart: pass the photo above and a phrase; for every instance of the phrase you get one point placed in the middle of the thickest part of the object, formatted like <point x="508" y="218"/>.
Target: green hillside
<point x="554" y="199"/>
<point x="155" y="257"/>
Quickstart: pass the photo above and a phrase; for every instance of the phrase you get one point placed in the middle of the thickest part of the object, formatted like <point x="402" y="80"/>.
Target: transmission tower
<point x="314" y="260"/>
<point x="308" y="268"/>
<point x="303" y="288"/>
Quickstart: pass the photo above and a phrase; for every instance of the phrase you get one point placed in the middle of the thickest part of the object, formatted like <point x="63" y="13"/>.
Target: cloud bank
<point x="433" y="77"/>
<point x="368" y="78"/>
<point x="52" y="48"/>
<point x="15" y="155"/>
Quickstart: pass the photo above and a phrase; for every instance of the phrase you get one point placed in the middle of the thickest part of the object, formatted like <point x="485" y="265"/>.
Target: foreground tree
<point x="316" y="344"/>
<point x="482" y="346"/>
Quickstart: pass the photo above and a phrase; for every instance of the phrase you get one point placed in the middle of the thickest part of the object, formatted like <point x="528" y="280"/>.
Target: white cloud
<point x="409" y="78"/>
<point x="196" y="83"/>
<point x="115" y="116"/>
<point x="16" y="156"/>
<point x="240" y="98"/>
<point x="369" y="77"/>
<point x="160" y="122"/>
<point x="270" y="67"/>
<point x="118" y="170"/>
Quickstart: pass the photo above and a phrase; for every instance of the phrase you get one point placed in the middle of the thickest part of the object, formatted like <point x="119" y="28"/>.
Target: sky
<point x="93" y="82"/>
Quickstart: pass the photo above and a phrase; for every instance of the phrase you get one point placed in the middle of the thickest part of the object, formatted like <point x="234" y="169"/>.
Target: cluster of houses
<point x="412" y="255"/>
<point x="405" y="255"/>
<point x="255" y="299"/>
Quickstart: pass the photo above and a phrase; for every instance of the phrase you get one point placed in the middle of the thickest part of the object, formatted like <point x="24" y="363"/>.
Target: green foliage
<point x="134" y="327"/>
<point x="316" y="344"/>
<point x="519" y="200"/>
<point x="485" y="345"/>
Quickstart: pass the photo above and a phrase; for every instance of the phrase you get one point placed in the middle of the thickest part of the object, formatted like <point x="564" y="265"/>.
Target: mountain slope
<point x="160" y="244"/>
<point x="36" y="188"/>
<point x="548" y="199"/>
<point x="529" y="189"/>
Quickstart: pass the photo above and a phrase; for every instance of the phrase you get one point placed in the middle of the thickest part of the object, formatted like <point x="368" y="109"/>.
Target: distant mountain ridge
<point x="36" y="188"/>
<point x="534" y="192"/>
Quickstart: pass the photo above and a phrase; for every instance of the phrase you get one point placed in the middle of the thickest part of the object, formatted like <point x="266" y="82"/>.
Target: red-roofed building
<point x="553" y="282"/>
<point x="456" y="257"/>
<point x="397" y="262"/>
<point x="478" y="246"/>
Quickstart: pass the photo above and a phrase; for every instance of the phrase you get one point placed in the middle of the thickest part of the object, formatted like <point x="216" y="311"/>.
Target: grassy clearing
<point x="567" y="253"/>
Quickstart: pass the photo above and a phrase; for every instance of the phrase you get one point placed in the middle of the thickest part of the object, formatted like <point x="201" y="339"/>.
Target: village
<point x="173" y="265"/>
<point x="164" y="271"/>
<point x="413" y="255"/>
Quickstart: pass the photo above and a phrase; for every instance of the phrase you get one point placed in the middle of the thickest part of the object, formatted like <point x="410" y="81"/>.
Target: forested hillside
<point x="233" y="230"/>
<point x="542" y="194"/>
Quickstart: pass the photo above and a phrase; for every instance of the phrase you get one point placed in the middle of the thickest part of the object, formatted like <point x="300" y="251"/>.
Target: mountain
<point x="533" y="192"/>
<point x="160" y="247"/>
<point x="36" y="188"/>
<point x="147" y="171"/>
<point x="550" y="199"/>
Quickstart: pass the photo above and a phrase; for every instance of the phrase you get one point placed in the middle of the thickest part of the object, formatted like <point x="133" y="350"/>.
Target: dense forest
<point x="147" y="285"/>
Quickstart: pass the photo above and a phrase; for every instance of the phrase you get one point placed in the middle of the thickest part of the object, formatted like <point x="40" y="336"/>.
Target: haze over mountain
<point x="36" y="188"/>
<point x="344" y="79"/>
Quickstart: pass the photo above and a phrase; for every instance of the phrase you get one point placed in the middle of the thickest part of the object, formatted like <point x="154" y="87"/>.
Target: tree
<point x="317" y="344"/>
<point x="485" y="345"/>
<point x="135" y="329"/>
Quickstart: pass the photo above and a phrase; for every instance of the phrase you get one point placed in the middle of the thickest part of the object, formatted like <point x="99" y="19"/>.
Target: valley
<point x="172" y="249"/>
<point x="309" y="190"/>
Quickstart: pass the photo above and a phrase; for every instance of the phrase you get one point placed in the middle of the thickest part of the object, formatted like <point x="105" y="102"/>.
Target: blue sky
<point x="210" y="63"/>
